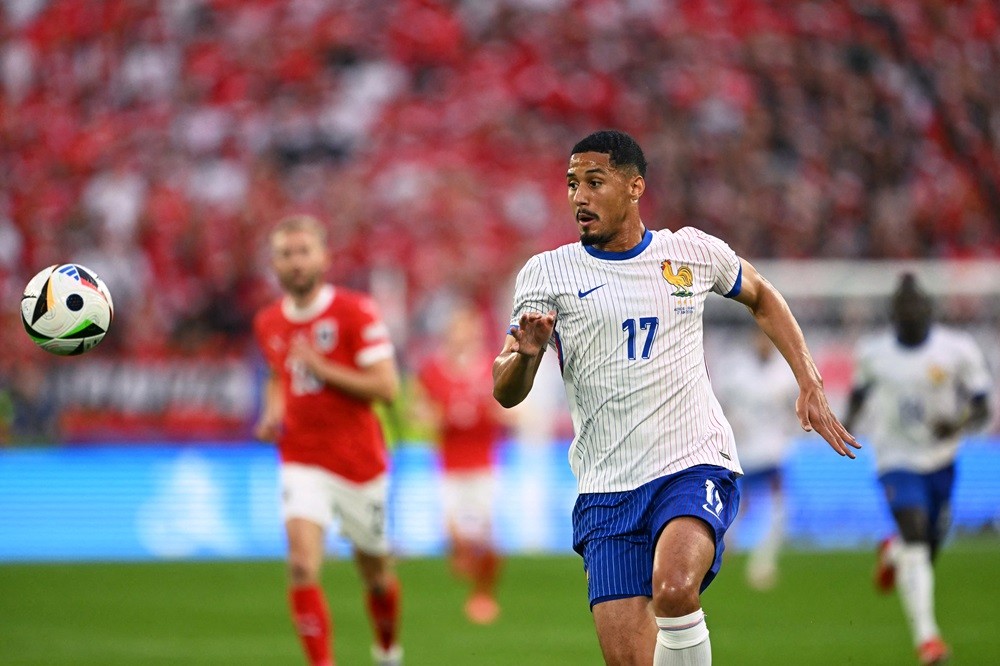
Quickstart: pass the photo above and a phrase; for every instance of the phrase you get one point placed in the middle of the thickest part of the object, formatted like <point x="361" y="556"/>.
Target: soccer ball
<point x="66" y="309"/>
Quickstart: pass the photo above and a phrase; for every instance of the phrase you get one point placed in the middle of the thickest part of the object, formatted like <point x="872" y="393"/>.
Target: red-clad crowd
<point x="156" y="142"/>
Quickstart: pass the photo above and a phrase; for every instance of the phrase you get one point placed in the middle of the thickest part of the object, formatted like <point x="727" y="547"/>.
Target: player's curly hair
<point x="623" y="150"/>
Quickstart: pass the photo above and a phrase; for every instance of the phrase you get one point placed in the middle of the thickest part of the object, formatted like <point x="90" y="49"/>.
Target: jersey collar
<point x="647" y="238"/>
<point x="298" y="315"/>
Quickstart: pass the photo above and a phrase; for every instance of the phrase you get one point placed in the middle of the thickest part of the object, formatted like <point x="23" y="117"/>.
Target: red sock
<point x="383" y="607"/>
<point x="312" y="623"/>
<point x="487" y="570"/>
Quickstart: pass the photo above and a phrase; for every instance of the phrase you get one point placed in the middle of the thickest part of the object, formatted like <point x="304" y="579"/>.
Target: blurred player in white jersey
<point x="653" y="455"/>
<point x="927" y="384"/>
<point x="756" y="390"/>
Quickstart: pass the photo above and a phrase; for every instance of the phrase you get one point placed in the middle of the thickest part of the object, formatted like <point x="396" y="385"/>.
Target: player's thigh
<point x="305" y="549"/>
<point x="626" y="630"/>
<point x="362" y="511"/>
<point x="909" y="499"/>
<point x="468" y="504"/>
<point x="685" y="553"/>
<point x="940" y="486"/>
<point x="307" y="510"/>
<point x="306" y="493"/>
<point x="690" y="518"/>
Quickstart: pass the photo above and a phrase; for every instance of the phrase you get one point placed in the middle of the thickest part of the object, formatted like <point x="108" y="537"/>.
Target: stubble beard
<point x="299" y="287"/>
<point x="592" y="238"/>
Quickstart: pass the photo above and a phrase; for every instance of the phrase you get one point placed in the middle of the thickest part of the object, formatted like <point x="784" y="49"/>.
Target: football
<point x="66" y="309"/>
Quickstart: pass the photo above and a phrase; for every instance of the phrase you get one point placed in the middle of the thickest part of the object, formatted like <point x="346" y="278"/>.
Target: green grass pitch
<point x="823" y="611"/>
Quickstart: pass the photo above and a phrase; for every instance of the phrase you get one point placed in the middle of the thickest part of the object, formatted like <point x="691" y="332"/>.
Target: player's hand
<point x="267" y="428"/>
<point x="300" y="351"/>
<point x="814" y="413"/>
<point x="533" y="332"/>
<point x="946" y="429"/>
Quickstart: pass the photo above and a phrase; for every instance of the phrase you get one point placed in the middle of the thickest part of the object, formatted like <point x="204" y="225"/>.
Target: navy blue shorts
<point x="930" y="492"/>
<point x="616" y="533"/>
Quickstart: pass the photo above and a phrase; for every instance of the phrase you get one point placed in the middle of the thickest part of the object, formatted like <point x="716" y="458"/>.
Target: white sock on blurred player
<point x="915" y="582"/>
<point x="683" y="641"/>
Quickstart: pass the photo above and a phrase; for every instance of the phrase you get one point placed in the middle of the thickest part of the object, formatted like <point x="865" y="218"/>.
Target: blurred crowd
<point x="157" y="141"/>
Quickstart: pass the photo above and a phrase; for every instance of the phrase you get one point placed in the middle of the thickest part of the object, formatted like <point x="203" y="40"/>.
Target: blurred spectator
<point x="157" y="136"/>
<point x="28" y="407"/>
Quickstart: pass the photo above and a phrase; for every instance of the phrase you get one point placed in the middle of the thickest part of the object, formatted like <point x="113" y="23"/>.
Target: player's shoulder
<point x="560" y="253"/>
<point x="268" y="315"/>
<point x="951" y="338"/>
<point x="353" y="300"/>
<point x="950" y="335"/>
<point x="692" y="241"/>
<point x="547" y="263"/>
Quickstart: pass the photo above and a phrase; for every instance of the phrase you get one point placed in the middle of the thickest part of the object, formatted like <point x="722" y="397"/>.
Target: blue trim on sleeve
<point x="735" y="291"/>
<point x="559" y="349"/>
<point x="647" y="238"/>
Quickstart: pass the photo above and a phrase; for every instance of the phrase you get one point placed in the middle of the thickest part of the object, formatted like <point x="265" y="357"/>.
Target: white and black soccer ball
<point x="66" y="309"/>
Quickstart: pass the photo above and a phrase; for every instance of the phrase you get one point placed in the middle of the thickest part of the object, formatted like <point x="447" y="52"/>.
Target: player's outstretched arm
<point x="774" y="317"/>
<point x="378" y="381"/>
<point x="514" y="369"/>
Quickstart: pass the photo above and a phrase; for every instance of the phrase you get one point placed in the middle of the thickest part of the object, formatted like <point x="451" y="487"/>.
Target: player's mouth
<point x="585" y="217"/>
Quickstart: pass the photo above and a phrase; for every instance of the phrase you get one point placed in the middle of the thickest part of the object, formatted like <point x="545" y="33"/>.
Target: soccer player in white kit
<point x="926" y="384"/>
<point x="653" y="455"/>
<point x="755" y="388"/>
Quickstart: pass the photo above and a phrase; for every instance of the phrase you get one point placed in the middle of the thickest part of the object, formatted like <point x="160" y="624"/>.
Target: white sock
<point x="683" y="641"/>
<point x="892" y="552"/>
<point x="915" y="581"/>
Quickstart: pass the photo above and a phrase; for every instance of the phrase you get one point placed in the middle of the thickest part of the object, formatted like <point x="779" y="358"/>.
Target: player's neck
<point x="628" y="237"/>
<point x="303" y="301"/>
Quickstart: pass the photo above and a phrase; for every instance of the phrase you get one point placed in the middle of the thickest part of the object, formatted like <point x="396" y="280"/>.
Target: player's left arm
<point x="773" y="316"/>
<point x="377" y="381"/>
<point x="975" y="383"/>
<point x="974" y="417"/>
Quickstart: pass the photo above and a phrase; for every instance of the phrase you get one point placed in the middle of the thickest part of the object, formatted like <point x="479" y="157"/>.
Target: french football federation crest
<point x="683" y="279"/>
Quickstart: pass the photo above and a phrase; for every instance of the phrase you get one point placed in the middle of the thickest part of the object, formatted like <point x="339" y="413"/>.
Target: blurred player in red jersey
<point x="330" y="358"/>
<point x="456" y="390"/>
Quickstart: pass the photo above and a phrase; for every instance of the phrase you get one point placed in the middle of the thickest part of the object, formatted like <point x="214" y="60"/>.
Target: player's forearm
<point x="273" y="401"/>
<point x="775" y="318"/>
<point x="978" y="413"/>
<point x="374" y="383"/>
<point x="513" y="376"/>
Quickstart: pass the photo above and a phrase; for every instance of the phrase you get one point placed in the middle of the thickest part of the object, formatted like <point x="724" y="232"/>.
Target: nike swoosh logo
<point x="583" y="294"/>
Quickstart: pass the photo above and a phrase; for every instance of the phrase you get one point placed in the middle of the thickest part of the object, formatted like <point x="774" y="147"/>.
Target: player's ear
<point x="636" y="187"/>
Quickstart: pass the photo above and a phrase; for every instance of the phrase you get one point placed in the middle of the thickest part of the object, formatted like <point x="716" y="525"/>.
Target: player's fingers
<point x="835" y="438"/>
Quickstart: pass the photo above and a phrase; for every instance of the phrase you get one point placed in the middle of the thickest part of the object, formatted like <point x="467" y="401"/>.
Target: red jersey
<point x="322" y="425"/>
<point x="469" y="427"/>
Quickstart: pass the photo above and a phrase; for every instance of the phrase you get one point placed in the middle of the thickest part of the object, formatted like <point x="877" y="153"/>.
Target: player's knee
<point x="675" y="595"/>
<point x="302" y="570"/>
<point x="914" y="526"/>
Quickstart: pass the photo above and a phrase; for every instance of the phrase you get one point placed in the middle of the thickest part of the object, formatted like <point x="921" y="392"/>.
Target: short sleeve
<point x="973" y="373"/>
<point x="532" y="293"/>
<point x="373" y="343"/>
<point x="727" y="267"/>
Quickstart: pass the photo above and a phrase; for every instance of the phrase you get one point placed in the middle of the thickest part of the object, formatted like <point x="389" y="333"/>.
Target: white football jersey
<point x="629" y="339"/>
<point x="758" y="396"/>
<point x="911" y="388"/>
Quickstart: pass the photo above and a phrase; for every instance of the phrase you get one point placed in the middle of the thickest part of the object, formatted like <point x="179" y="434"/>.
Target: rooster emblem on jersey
<point x="683" y="279"/>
